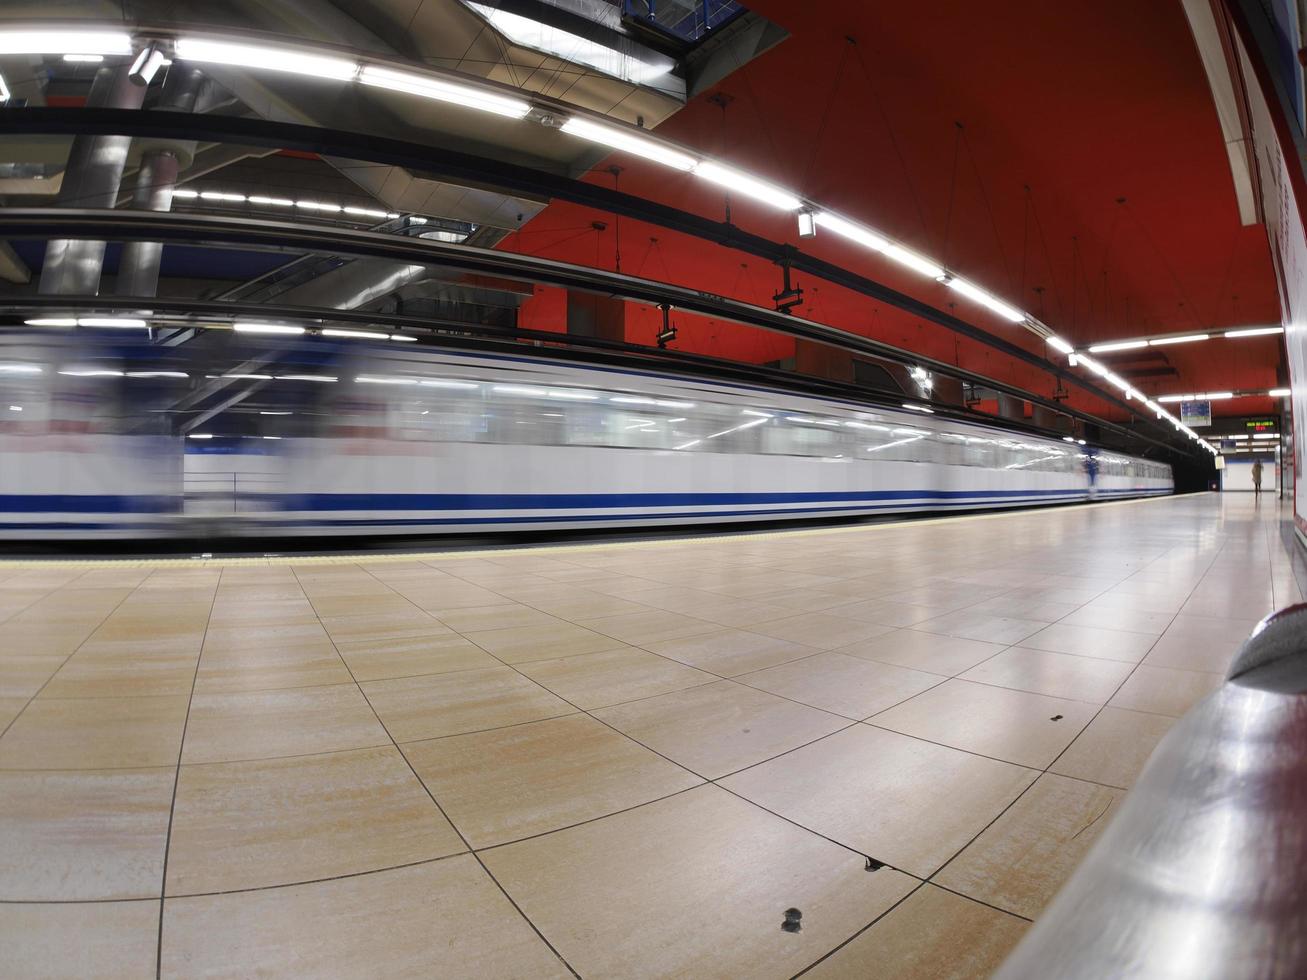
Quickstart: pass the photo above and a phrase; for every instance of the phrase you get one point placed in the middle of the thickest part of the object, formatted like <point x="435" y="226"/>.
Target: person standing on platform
<point x="1257" y="476"/>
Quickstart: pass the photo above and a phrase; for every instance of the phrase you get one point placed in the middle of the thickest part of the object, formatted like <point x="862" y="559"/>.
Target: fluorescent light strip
<point x="117" y="322"/>
<point x="451" y="92"/>
<point x="1254" y="332"/>
<point x="157" y="374"/>
<point x="978" y="295"/>
<point x="89" y="59"/>
<point x="52" y="321"/>
<point x="1279" y="393"/>
<point x="869" y="239"/>
<point x="358" y="334"/>
<point x="742" y="183"/>
<point x="1122" y="345"/>
<point x="267" y="328"/>
<point x="404" y="338"/>
<point x="231" y="197"/>
<point x="65" y="42"/>
<point x="324" y="378"/>
<point x="19" y="369"/>
<point x="265" y="58"/>
<point x="1058" y="344"/>
<point x="1187" y="339"/>
<point x="370" y="379"/>
<point x="620" y="139"/>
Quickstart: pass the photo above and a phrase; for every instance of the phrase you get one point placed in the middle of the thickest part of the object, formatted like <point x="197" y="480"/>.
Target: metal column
<point x="138" y="270"/>
<point x="91" y="180"/>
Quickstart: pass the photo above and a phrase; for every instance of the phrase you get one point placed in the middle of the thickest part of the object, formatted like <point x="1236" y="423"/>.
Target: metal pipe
<point x="38" y="222"/>
<point x="91" y="179"/>
<point x="1203" y="872"/>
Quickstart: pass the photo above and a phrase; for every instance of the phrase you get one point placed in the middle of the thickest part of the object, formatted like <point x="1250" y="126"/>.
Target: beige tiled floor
<point x="613" y="759"/>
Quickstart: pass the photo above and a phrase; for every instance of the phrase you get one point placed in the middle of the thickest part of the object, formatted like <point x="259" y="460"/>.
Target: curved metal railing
<point x="1203" y="873"/>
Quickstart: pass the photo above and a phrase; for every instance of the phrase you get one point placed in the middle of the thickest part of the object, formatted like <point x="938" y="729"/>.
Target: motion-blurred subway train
<point x="107" y="436"/>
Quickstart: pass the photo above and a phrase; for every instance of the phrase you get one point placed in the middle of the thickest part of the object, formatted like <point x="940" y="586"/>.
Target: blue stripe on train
<point x="122" y="504"/>
<point x="918" y="502"/>
<point x="601" y="501"/>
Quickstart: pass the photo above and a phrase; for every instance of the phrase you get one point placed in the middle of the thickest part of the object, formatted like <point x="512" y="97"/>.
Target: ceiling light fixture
<point x="442" y="91"/>
<point x="752" y="187"/>
<point x="1122" y="345"/>
<point x="978" y="295"/>
<point x="620" y="139"/>
<point x="1058" y="344"/>
<point x="65" y="42"/>
<point x="1279" y="392"/>
<point x="147" y="65"/>
<point x="267" y="328"/>
<point x="357" y="334"/>
<point x="1254" y="332"/>
<point x="877" y="243"/>
<point x="1187" y="339"/>
<point x="118" y="322"/>
<point x="52" y="321"/>
<point x="265" y="58"/>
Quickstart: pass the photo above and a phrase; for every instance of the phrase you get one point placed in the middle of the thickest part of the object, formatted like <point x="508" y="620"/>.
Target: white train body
<point x="428" y="442"/>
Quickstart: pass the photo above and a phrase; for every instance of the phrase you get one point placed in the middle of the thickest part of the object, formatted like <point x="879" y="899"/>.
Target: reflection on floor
<point x="613" y="760"/>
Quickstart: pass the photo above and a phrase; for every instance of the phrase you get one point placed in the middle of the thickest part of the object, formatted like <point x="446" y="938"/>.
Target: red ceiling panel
<point x="1088" y="182"/>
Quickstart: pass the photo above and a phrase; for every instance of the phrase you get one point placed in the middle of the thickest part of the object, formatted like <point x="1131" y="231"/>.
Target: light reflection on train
<point x="232" y="437"/>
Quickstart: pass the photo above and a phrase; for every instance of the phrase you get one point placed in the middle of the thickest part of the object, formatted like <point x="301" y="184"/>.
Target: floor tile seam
<point x="1125" y="680"/>
<point x="107" y="697"/>
<point x="671" y="761"/>
<point x="550" y="550"/>
<point x="835" y="949"/>
<point x="444" y="816"/>
<point x="1042" y="694"/>
<point x="176" y="780"/>
<point x="595" y="819"/>
<point x="14" y="720"/>
<point x="150" y="899"/>
<point x="344" y="876"/>
<point x="1040" y="773"/>
<point x="815" y="652"/>
<point x="22" y="609"/>
<point x="945" y="745"/>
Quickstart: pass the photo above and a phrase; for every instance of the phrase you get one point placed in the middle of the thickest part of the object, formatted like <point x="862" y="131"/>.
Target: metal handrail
<point x="1203" y="872"/>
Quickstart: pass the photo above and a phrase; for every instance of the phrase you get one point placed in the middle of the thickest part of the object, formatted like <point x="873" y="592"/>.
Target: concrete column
<point x="91" y="180"/>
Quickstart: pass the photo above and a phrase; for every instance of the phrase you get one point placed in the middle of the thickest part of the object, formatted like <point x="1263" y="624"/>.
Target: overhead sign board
<point x="1196" y="413"/>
